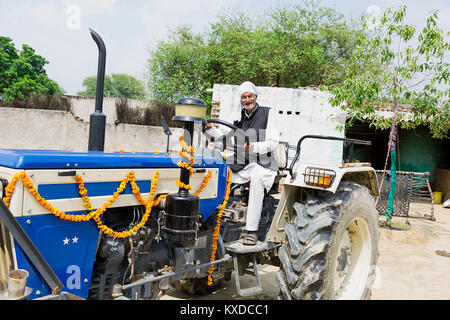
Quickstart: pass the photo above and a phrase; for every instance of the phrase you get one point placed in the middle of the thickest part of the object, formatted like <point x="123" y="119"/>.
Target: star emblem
<point x="75" y="239"/>
<point x="66" y="241"/>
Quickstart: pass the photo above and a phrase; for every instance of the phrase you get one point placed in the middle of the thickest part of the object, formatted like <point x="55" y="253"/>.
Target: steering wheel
<point x="233" y="132"/>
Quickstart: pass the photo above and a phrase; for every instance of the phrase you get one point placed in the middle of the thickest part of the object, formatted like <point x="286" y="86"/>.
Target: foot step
<point x="251" y="291"/>
<point x="248" y="291"/>
<point x="238" y="247"/>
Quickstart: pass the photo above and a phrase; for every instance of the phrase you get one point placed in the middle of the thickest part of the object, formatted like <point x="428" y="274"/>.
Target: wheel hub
<point x="343" y="260"/>
<point x="353" y="260"/>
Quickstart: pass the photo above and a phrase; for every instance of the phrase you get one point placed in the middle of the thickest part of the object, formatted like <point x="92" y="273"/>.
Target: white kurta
<point x="260" y="178"/>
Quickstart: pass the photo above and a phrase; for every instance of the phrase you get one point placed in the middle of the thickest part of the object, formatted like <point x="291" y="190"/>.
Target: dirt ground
<point x="408" y="266"/>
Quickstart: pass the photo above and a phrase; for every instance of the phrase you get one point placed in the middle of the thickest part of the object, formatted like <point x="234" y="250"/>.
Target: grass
<point x="150" y="115"/>
<point x="40" y="102"/>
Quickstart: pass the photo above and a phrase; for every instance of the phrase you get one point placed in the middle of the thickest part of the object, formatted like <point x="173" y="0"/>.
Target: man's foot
<point x="250" y="238"/>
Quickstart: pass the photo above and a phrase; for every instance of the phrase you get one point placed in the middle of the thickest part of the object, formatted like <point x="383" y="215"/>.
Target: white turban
<point x="246" y="86"/>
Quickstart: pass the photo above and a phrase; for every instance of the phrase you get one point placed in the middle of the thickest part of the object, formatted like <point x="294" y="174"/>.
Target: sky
<point x="59" y="29"/>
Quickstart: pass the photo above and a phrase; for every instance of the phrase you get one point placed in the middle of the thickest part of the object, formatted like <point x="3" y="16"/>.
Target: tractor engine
<point x="169" y="237"/>
<point x="121" y="261"/>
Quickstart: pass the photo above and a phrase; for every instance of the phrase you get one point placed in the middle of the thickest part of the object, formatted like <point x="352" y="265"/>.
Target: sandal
<point x="250" y="238"/>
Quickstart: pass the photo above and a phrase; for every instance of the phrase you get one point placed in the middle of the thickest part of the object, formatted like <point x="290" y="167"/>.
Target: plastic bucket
<point x="437" y="196"/>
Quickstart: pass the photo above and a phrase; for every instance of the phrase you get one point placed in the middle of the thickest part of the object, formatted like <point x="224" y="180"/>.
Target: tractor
<point x="130" y="226"/>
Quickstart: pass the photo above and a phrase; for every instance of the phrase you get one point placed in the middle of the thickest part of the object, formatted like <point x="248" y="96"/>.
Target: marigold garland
<point x="184" y="146"/>
<point x="204" y="183"/>
<point x="148" y="208"/>
<point x="95" y="215"/>
<point x="9" y="190"/>
<point x="186" y="166"/>
<point x="217" y="228"/>
<point x="183" y="185"/>
<point x="181" y="164"/>
<point x="187" y="153"/>
<point x="131" y="178"/>
<point x="188" y="156"/>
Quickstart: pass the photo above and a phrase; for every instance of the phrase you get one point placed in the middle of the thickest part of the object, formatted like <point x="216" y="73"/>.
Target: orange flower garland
<point x="217" y="228"/>
<point x="185" y="147"/>
<point x="188" y="154"/>
<point x="204" y="183"/>
<point x="183" y="185"/>
<point x="148" y="208"/>
<point x="186" y="166"/>
<point x="9" y="190"/>
<point x="130" y="178"/>
<point x="83" y="193"/>
<point x="29" y="185"/>
<point x="181" y="164"/>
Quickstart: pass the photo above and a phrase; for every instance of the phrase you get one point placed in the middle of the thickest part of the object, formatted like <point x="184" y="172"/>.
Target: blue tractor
<point x="111" y="225"/>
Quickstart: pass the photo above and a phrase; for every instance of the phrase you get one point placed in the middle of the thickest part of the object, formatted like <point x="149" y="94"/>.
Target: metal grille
<point x="319" y="177"/>
<point x="6" y="260"/>
<point x="410" y="187"/>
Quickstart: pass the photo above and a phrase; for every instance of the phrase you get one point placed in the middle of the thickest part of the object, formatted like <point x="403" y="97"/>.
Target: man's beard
<point x="249" y="107"/>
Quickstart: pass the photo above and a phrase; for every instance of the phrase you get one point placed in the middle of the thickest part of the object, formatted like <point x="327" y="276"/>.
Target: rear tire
<point x="332" y="246"/>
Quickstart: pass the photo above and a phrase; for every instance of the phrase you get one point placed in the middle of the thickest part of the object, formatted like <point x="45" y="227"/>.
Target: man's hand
<point x="249" y="147"/>
<point x="207" y="126"/>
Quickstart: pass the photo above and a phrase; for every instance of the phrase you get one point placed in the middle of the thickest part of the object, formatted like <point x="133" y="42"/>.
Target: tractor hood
<point x="45" y="159"/>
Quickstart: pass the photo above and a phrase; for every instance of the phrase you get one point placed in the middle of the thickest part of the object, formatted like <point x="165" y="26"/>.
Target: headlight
<point x="319" y="177"/>
<point x="190" y="107"/>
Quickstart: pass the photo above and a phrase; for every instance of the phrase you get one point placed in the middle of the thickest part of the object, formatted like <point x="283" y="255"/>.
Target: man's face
<point x="248" y="100"/>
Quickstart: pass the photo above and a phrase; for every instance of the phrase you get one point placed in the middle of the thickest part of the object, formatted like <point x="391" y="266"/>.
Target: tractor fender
<point x="293" y="189"/>
<point x="361" y="173"/>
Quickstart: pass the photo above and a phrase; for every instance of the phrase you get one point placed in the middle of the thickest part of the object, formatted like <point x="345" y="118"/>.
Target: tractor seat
<point x="283" y="153"/>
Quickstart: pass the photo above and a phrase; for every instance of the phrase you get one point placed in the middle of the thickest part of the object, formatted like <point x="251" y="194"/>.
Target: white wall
<point x="310" y="113"/>
<point x="59" y="130"/>
<point x="299" y="112"/>
<point x="82" y="107"/>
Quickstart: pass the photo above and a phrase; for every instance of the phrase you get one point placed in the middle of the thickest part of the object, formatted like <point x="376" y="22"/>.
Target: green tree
<point x="299" y="45"/>
<point x="22" y="73"/>
<point x="293" y="46"/>
<point x="116" y="85"/>
<point x="126" y="86"/>
<point x="402" y="67"/>
<point x="177" y="67"/>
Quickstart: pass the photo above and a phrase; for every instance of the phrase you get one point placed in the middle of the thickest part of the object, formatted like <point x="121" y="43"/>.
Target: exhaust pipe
<point x="97" y="124"/>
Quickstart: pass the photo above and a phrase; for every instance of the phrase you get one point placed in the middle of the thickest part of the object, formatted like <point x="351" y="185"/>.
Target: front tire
<point x="332" y="246"/>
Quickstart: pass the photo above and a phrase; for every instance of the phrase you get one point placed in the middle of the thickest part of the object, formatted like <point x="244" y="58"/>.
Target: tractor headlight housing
<point x="319" y="177"/>
<point x="190" y="107"/>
